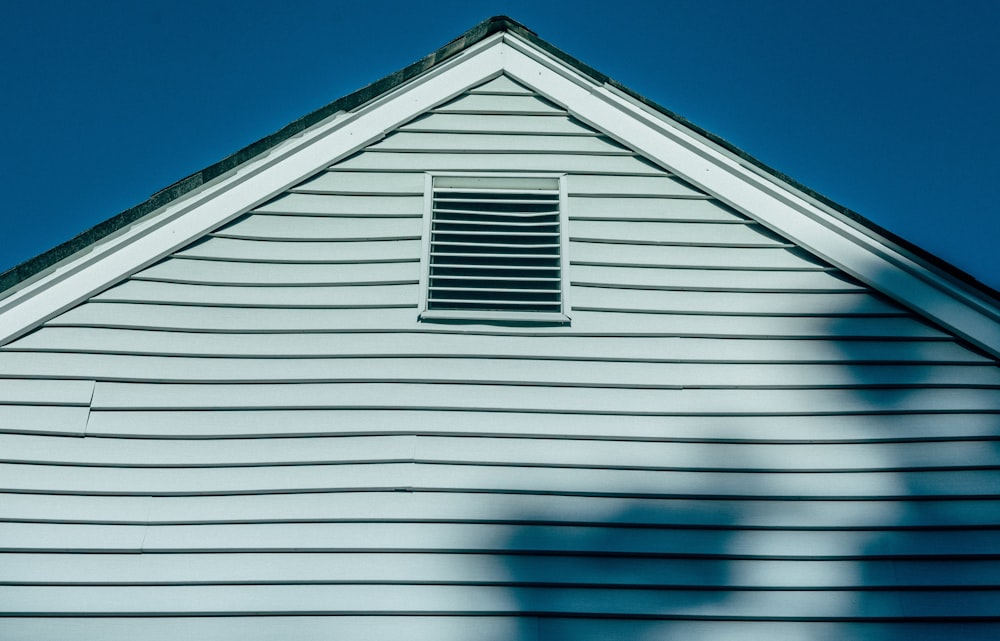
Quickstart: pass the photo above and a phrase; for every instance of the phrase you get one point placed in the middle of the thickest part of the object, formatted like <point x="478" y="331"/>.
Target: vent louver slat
<point x="495" y="250"/>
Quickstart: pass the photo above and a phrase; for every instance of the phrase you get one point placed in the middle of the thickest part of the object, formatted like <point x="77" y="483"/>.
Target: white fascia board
<point x="196" y="213"/>
<point x="772" y="202"/>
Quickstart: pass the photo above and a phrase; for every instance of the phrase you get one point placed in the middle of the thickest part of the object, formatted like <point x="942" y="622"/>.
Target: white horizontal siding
<point x="315" y="228"/>
<point x="298" y="252"/>
<point x="664" y="349"/>
<point x="508" y="508"/>
<point x="246" y="296"/>
<point x="665" y="402"/>
<point x="485" y="538"/>
<point x="728" y="428"/>
<point x="128" y="453"/>
<point x="796" y="428"/>
<point x="484" y="628"/>
<point x="317" y="204"/>
<point x="508" y="371"/>
<point x="378" y="185"/>
<point x="651" y="208"/>
<point x="257" y="568"/>
<point x="220" y="272"/>
<point x="531" y="143"/>
<point x="223" y="319"/>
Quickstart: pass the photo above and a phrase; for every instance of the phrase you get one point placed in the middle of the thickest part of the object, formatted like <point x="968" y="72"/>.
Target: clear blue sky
<point x="889" y="108"/>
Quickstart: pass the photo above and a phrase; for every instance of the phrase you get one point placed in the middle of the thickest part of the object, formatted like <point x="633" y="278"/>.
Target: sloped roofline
<point x="496" y="24"/>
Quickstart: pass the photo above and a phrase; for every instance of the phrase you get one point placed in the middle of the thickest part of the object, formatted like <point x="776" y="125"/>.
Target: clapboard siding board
<point x="494" y="346"/>
<point x="502" y="84"/>
<point x="646" y="208"/>
<point x="297" y="252"/>
<point x="634" y="255"/>
<point x="236" y="320"/>
<point x="509" y="371"/>
<point x="497" y="103"/>
<point x="384" y="189"/>
<point x="671" y="233"/>
<point x="248" y="296"/>
<point x="321" y="228"/>
<point x="713" y="279"/>
<point x="55" y="419"/>
<point x="471" y="477"/>
<point x="497" y="162"/>
<point x="445" y="599"/>
<point x="464" y="142"/>
<point x="874" y="426"/>
<point x="312" y="204"/>
<point x="128" y="453"/>
<point x="548" y="124"/>
<point x="218" y="272"/>
<point x="508" y="508"/>
<point x="473" y="538"/>
<point x="256" y="568"/>
<point x="482" y="628"/>
<point x="108" y="395"/>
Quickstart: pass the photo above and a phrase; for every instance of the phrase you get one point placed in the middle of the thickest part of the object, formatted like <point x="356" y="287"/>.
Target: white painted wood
<point x="628" y="254"/>
<point x="400" y="161"/>
<point x="512" y="104"/>
<point x="797" y="428"/>
<point x="505" y="143"/>
<point x="210" y="272"/>
<point x="194" y="453"/>
<point x="502" y="84"/>
<point x="376" y="185"/>
<point x="343" y="205"/>
<point x="673" y="233"/>
<point x="714" y="279"/>
<point x="641" y="187"/>
<point x="462" y="628"/>
<point x="229" y="320"/>
<point x="35" y="392"/>
<point x="507" y="371"/>
<point x="446" y="599"/>
<point x="474" y="568"/>
<point x="313" y="228"/>
<point x="472" y="538"/>
<point x="292" y="252"/>
<point x="514" y="124"/>
<point x="41" y="419"/>
<point x="489" y="345"/>
<point x="136" y="453"/>
<point x="305" y="296"/>
<point x="643" y="208"/>
<point x="267" y="628"/>
<point x="48" y="537"/>
<point x="804" y="304"/>
<point x="341" y="507"/>
<point x="539" y="398"/>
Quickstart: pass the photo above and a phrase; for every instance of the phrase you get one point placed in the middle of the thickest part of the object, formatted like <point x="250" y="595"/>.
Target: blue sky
<point x="888" y="108"/>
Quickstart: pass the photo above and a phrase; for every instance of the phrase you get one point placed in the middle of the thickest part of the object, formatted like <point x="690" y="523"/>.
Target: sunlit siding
<point x="730" y="440"/>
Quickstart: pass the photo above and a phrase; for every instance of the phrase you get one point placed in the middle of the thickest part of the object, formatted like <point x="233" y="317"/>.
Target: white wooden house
<point x="495" y="349"/>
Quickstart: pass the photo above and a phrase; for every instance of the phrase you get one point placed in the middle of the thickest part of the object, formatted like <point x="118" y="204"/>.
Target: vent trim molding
<point x="495" y="248"/>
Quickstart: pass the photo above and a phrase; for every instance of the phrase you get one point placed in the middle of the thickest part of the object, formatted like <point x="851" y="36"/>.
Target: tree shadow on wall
<point x="908" y="545"/>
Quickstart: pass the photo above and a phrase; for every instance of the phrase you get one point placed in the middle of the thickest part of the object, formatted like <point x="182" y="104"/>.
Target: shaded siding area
<point x="255" y="438"/>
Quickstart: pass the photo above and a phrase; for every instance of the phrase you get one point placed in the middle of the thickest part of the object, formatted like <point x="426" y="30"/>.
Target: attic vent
<point x="495" y="248"/>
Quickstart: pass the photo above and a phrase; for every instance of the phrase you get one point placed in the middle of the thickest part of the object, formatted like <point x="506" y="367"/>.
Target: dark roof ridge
<point x="481" y="31"/>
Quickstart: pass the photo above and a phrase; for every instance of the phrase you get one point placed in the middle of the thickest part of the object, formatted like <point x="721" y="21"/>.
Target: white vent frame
<point x="560" y="317"/>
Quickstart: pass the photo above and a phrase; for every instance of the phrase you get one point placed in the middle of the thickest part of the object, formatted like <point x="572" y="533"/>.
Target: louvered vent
<point x="495" y="245"/>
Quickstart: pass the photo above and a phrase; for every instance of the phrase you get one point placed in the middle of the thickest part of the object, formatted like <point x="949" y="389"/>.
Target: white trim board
<point x="775" y="204"/>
